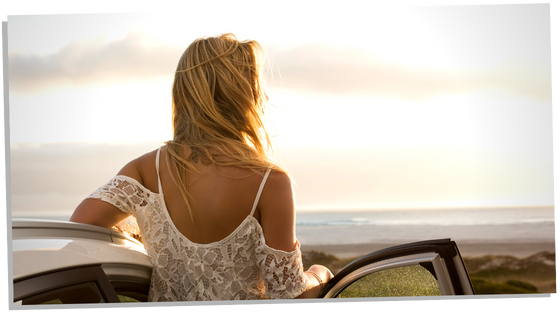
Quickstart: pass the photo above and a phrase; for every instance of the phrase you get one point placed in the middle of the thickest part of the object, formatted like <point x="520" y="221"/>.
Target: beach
<point x="517" y="232"/>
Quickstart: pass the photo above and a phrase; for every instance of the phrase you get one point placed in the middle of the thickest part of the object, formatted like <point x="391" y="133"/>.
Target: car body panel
<point x="43" y="246"/>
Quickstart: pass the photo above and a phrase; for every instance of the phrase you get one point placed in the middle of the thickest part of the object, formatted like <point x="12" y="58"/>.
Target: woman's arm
<point x="277" y="218"/>
<point x="97" y="212"/>
<point x="277" y="212"/>
<point x="101" y="213"/>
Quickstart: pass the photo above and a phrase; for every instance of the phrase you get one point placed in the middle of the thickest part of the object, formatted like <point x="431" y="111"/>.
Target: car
<point x="57" y="262"/>
<point x="67" y="263"/>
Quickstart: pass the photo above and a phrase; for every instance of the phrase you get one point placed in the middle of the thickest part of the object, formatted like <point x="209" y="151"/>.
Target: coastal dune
<point x="467" y="248"/>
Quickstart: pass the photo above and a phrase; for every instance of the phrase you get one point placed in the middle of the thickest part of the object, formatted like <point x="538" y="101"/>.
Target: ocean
<point x="515" y="224"/>
<point x="506" y="225"/>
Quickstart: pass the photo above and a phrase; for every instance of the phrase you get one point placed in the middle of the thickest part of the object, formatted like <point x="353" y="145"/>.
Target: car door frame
<point x="448" y="267"/>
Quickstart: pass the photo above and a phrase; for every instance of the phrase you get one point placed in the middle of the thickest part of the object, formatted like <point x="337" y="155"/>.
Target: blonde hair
<point x="218" y="102"/>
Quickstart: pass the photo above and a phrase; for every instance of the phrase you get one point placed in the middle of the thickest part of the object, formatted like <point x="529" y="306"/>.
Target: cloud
<point x="138" y="56"/>
<point x="419" y="176"/>
<point x="70" y="168"/>
<point x="312" y="68"/>
<point x="55" y="177"/>
<point x="323" y="68"/>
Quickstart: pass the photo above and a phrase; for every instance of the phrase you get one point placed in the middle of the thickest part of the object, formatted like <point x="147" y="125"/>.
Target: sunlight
<point x="129" y="112"/>
<point x="365" y="122"/>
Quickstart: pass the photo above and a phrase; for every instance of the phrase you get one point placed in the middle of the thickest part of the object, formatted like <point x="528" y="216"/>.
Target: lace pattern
<point x="239" y="267"/>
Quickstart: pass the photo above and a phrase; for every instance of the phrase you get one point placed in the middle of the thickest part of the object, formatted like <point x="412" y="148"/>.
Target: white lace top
<point x="238" y="267"/>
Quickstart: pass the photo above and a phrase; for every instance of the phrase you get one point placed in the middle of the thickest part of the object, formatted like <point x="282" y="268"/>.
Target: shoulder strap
<point x="260" y="191"/>
<point x="157" y="170"/>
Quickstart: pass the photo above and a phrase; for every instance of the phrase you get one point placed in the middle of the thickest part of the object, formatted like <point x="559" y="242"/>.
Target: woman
<point x="216" y="215"/>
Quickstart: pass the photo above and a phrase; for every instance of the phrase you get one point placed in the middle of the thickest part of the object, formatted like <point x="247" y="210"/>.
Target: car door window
<point x="425" y="268"/>
<point x="80" y="293"/>
<point x="412" y="280"/>
<point x="131" y="283"/>
<point x="130" y="292"/>
<point x="87" y="284"/>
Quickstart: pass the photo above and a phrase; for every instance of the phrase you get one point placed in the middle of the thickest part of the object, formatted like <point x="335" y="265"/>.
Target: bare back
<point x="220" y="197"/>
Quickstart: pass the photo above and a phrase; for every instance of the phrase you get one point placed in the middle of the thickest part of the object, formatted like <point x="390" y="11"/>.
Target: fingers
<point x="322" y="271"/>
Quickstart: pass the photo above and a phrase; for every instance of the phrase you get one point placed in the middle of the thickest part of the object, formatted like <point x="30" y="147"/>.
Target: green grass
<point x="511" y="275"/>
<point x="482" y="286"/>
<point x="403" y="281"/>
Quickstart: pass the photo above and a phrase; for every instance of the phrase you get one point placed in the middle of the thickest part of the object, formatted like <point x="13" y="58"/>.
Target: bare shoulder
<point x="277" y="195"/>
<point x="140" y="167"/>
<point x="97" y="212"/>
<point x="278" y="183"/>
<point x="277" y="212"/>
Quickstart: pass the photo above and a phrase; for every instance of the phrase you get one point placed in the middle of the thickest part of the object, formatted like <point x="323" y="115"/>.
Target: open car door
<point x="427" y="268"/>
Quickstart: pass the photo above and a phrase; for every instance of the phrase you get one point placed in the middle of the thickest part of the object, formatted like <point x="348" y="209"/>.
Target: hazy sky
<point x="436" y="106"/>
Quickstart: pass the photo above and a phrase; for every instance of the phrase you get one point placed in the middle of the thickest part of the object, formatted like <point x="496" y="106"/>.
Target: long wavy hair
<point x="218" y="100"/>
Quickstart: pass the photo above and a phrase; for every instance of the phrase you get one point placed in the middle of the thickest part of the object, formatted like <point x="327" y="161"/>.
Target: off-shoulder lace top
<point x="238" y="267"/>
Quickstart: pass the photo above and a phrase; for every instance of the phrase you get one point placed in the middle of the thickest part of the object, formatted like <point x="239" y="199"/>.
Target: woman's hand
<point x="317" y="276"/>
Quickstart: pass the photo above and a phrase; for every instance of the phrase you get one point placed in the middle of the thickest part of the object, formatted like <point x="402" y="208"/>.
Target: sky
<point x="397" y="107"/>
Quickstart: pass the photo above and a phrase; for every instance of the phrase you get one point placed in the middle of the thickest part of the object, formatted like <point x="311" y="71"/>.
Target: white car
<point x="67" y="263"/>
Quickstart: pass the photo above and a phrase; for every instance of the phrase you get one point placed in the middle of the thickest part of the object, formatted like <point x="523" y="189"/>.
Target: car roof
<point x="40" y="246"/>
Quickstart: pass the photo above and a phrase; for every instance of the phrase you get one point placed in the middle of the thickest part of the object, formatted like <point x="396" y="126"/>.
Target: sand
<point x="467" y="249"/>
